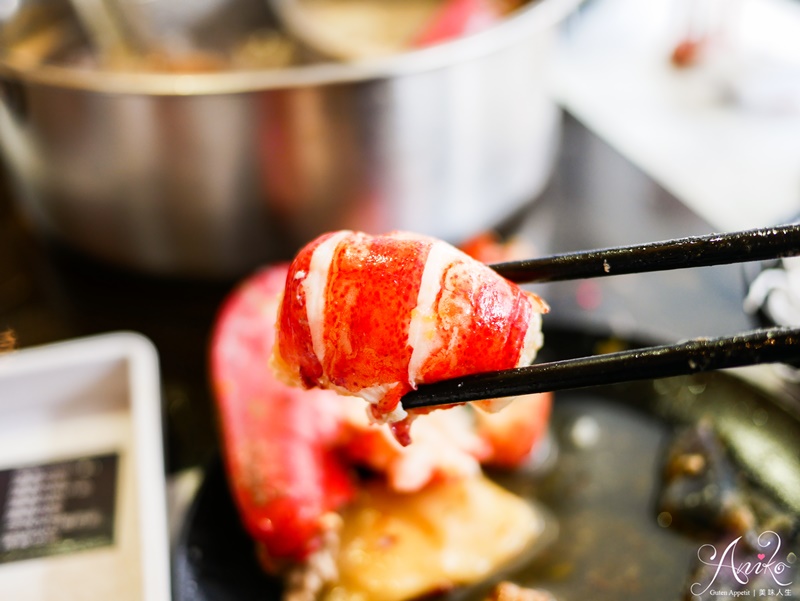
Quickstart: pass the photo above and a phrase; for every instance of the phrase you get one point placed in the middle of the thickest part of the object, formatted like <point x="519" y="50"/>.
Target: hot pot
<point x="211" y="174"/>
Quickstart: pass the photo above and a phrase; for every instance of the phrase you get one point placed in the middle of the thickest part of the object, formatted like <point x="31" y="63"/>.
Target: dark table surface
<point x="596" y="199"/>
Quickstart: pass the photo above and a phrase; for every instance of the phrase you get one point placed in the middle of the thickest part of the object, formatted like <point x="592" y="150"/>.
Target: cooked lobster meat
<point x="309" y="469"/>
<point x="375" y="316"/>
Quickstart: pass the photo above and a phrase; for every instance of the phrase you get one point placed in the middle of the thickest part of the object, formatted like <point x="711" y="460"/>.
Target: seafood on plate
<point x="375" y="316"/>
<point x="335" y="505"/>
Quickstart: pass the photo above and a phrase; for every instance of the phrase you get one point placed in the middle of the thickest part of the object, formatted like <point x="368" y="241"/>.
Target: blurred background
<point x="156" y="152"/>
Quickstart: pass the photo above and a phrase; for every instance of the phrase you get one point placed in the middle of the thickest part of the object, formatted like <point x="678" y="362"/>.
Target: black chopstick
<point x="696" y="251"/>
<point x="772" y="345"/>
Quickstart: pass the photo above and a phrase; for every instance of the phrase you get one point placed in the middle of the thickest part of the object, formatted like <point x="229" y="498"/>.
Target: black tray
<point x="610" y="544"/>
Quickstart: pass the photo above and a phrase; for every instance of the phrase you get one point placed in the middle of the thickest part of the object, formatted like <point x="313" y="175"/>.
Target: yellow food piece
<point x="399" y="546"/>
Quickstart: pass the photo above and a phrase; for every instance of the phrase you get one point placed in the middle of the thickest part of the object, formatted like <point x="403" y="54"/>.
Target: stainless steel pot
<point x="210" y="175"/>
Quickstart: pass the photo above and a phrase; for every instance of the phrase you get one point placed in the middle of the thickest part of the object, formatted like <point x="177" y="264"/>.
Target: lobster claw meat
<point x="374" y="316"/>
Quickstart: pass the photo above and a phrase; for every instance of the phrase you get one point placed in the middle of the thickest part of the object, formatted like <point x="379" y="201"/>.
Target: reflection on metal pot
<point x="211" y="174"/>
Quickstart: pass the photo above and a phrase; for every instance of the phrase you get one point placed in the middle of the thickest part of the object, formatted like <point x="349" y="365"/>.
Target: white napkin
<point x="776" y="291"/>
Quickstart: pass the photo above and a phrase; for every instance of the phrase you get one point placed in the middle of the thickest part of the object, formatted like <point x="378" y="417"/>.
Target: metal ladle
<point x="113" y="34"/>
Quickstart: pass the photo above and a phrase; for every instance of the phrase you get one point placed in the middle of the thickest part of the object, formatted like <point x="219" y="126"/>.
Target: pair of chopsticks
<point x="771" y="345"/>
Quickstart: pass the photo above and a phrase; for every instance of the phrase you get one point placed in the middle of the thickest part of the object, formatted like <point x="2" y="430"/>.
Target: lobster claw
<point x="278" y="441"/>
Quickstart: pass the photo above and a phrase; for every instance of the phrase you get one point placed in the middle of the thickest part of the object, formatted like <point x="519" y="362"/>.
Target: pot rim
<point x="536" y="17"/>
